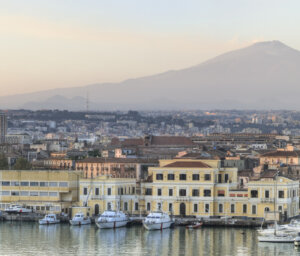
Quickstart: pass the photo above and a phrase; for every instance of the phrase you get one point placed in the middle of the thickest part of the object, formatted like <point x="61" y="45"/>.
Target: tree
<point x="3" y="162"/>
<point x="22" y="164"/>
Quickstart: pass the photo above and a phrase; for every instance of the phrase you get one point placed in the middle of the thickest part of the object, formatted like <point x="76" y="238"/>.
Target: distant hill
<point x="262" y="76"/>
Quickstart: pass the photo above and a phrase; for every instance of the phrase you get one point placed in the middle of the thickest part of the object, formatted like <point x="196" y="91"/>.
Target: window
<point x="63" y="184"/>
<point x="34" y="193"/>
<point x="34" y="184"/>
<point x="195" y="207"/>
<point x="122" y="191"/>
<point x="159" y="191"/>
<point x="220" y="208"/>
<point x="171" y="176"/>
<point x="43" y="184"/>
<point x="15" y="183"/>
<point x="196" y="177"/>
<point x="125" y="206"/>
<point x="170" y="207"/>
<point x="182" y="176"/>
<point x="226" y="178"/>
<point x="5" y="183"/>
<point x="280" y="208"/>
<point x="253" y="209"/>
<point x="159" y="176"/>
<point x="206" y="208"/>
<point x="52" y="184"/>
<point x="43" y="193"/>
<point x="109" y="191"/>
<point x="267" y="194"/>
<point x="232" y="208"/>
<point x="109" y="206"/>
<point x="159" y="206"/>
<point x="182" y="192"/>
<point x="195" y="192"/>
<point x="148" y="192"/>
<point x="136" y="206"/>
<point x="281" y="194"/>
<point x="24" y="193"/>
<point x="294" y="193"/>
<point x="85" y="191"/>
<point x="254" y="194"/>
<point x="148" y="207"/>
<point x="133" y="190"/>
<point x="97" y="191"/>
<point x="244" y="208"/>
<point x="220" y="178"/>
<point x="5" y="193"/>
<point x="207" y="177"/>
<point x="207" y="192"/>
<point x="24" y="183"/>
<point x="15" y="193"/>
<point x="221" y="193"/>
<point x="170" y="192"/>
<point x="267" y="209"/>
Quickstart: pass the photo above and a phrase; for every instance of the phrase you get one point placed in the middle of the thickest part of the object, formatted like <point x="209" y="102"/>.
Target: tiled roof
<point x="118" y="160"/>
<point x="188" y="164"/>
<point x="280" y="153"/>
<point x="170" y="140"/>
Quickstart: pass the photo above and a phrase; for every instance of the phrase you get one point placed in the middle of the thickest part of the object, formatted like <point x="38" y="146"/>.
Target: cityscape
<point x="149" y="128"/>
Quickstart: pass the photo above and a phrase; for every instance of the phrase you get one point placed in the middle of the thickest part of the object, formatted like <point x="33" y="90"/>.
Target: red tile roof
<point x="188" y="164"/>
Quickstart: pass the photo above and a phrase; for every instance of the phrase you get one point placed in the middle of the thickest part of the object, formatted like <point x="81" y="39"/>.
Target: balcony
<point x="267" y="200"/>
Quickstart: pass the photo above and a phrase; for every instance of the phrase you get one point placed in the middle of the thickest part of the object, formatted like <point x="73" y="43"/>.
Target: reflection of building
<point x="44" y="191"/>
<point x="3" y="127"/>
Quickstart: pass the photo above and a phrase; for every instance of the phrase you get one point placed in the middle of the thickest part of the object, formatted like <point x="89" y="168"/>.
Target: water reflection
<point x="30" y="238"/>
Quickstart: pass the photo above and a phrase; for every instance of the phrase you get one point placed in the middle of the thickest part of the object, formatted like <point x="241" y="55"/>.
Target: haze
<point x="59" y="44"/>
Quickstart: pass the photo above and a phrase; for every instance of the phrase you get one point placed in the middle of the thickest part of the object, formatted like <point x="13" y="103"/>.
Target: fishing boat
<point x="157" y="220"/>
<point x="195" y="225"/>
<point x="112" y="219"/>
<point x="15" y="208"/>
<point x="49" y="219"/>
<point x="79" y="219"/>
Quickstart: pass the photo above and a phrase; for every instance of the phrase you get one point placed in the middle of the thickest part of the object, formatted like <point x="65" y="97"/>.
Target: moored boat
<point x="15" y="208"/>
<point x="49" y="219"/>
<point x="112" y="219"/>
<point x="196" y="225"/>
<point x="277" y="238"/>
<point x="79" y="219"/>
<point x="157" y="220"/>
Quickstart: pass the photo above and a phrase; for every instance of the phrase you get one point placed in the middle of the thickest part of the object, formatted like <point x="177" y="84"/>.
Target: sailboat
<point x="276" y="234"/>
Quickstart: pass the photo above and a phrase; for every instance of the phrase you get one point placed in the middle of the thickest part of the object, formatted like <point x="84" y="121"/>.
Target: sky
<point x="46" y="44"/>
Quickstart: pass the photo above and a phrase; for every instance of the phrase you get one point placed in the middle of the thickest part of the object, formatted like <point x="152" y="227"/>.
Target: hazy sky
<point x="48" y="44"/>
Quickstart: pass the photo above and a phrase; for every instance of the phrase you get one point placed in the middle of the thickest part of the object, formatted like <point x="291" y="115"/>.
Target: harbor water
<point x="25" y="238"/>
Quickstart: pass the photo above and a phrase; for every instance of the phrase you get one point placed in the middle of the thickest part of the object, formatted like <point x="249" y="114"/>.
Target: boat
<point x="157" y="220"/>
<point x="112" y="219"/>
<point x="195" y="225"/>
<point x="16" y="208"/>
<point x="49" y="219"/>
<point x="79" y="219"/>
<point x="286" y="238"/>
<point x="297" y="240"/>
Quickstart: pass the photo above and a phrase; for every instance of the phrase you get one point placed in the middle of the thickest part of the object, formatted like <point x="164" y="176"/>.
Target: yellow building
<point x="43" y="191"/>
<point x="107" y="193"/>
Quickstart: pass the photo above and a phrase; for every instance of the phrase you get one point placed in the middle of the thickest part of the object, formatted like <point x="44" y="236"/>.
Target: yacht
<point x="274" y="238"/>
<point x="49" y="219"/>
<point x="157" y="220"/>
<point x="112" y="219"/>
<point x="80" y="219"/>
<point x="15" y="208"/>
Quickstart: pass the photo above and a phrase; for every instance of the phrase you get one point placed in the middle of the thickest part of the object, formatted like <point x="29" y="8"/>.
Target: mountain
<point x="264" y="75"/>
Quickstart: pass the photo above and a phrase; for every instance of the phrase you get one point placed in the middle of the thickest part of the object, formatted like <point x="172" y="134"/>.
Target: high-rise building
<point x="3" y="127"/>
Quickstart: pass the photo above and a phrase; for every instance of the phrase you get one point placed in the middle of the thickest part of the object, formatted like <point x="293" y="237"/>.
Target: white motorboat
<point x="15" y="208"/>
<point x="293" y="225"/>
<point x="49" y="219"/>
<point x="157" y="220"/>
<point x="79" y="219"/>
<point x="112" y="219"/>
<point x="297" y="240"/>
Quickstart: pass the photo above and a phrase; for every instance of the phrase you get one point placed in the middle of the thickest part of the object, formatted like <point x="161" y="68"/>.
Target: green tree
<point x="3" y="162"/>
<point x="22" y="164"/>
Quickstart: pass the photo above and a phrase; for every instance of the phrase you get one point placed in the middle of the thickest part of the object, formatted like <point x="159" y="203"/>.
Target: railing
<point x="267" y="200"/>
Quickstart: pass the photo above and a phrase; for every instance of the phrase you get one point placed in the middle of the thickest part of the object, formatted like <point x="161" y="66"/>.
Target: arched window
<point x="267" y="209"/>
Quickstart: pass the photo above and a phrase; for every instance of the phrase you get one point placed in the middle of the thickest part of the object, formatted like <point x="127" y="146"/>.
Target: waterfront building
<point x="42" y="191"/>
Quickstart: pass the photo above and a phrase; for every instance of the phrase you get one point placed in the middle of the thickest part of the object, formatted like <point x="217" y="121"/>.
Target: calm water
<point x="32" y="239"/>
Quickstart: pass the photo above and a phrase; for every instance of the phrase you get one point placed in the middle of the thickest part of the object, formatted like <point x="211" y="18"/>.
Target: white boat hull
<point x="157" y="226"/>
<point x="80" y="222"/>
<point x="276" y="239"/>
<point x="112" y="224"/>
<point x="46" y="222"/>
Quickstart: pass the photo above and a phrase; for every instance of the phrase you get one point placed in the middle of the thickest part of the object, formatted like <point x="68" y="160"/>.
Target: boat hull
<point x="274" y="239"/>
<point x="80" y="222"/>
<point x="157" y="226"/>
<point x="46" y="222"/>
<point x="112" y="224"/>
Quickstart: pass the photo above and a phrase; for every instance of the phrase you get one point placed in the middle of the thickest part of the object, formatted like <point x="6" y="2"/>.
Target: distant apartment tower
<point x="3" y="127"/>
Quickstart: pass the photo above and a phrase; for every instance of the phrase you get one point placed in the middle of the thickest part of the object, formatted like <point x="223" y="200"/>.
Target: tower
<point x="3" y="127"/>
